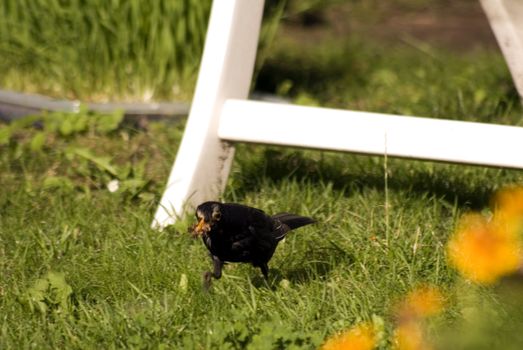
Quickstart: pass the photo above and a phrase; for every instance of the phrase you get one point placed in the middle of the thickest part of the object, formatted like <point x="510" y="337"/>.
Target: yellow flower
<point x="510" y="201"/>
<point x="422" y="302"/>
<point x="360" y="337"/>
<point x="409" y="336"/>
<point x="482" y="250"/>
<point x="508" y="207"/>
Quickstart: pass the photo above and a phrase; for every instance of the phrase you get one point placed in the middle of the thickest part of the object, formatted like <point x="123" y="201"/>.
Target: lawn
<point x="81" y="267"/>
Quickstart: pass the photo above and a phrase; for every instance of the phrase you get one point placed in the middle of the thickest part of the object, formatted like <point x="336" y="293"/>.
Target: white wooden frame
<point x="506" y="20"/>
<point x="221" y="114"/>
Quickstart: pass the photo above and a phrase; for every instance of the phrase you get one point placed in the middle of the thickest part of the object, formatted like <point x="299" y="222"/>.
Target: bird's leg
<point x="207" y="276"/>
<point x="217" y="265"/>
<point x="217" y="272"/>
<point x="265" y="270"/>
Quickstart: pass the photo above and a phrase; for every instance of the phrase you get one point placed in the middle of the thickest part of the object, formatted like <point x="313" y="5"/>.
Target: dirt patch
<point x="454" y="25"/>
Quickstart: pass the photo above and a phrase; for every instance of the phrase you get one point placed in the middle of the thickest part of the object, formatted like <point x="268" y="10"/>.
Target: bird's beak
<point x="201" y="227"/>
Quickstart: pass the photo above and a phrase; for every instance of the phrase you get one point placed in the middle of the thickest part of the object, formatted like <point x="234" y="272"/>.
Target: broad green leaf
<point x="80" y="123"/>
<point x="66" y="128"/>
<point x="106" y="123"/>
<point x="53" y="182"/>
<point x="60" y="289"/>
<point x="103" y="163"/>
<point x="50" y="292"/>
<point x="38" y="141"/>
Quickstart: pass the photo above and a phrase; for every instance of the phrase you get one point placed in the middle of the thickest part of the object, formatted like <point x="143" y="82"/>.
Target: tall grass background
<point x="95" y="49"/>
<point x="101" y="50"/>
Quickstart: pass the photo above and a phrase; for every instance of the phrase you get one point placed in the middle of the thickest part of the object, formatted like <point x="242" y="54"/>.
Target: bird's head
<point x="208" y="215"/>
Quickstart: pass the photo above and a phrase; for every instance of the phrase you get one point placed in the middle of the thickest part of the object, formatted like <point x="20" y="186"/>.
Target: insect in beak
<point x="201" y="227"/>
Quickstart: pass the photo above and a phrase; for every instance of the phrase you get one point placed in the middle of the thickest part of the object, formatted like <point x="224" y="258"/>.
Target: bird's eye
<point x="216" y="213"/>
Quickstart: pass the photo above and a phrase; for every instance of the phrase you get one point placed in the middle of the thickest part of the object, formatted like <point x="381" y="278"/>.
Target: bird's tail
<point x="293" y="221"/>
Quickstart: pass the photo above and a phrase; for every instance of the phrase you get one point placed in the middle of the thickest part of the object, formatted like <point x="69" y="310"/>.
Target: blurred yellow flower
<point x="360" y="337"/>
<point x="409" y="336"/>
<point x="422" y="302"/>
<point x="508" y="207"/>
<point x="510" y="199"/>
<point x="483" y="250"/>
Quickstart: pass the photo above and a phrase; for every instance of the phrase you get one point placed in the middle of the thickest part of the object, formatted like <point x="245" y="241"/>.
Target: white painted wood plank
<point x="506" y="20"/>
<point x="372" y="133"/>
<point x="203" y="160"/>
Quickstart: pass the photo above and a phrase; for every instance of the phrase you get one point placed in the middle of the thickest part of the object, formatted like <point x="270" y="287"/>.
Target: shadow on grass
<point x="303" y="72"/>
<point x="467" y="186"/>
<point x="315" y="264"/>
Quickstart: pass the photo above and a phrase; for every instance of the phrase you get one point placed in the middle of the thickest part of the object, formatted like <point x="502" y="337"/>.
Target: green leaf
<point x="60" y="289"/>
<point x="54" y="182"/>
<point x="24" y="123"/>
<point x="5" y="135"/>
<point x="52" y="121"/>
<point x="52" y="292"/>
<point x="133" y="185"/>
<point x="105" y="123"/>
<point x="35" y="297"/>
<point x="80" y="123"/>
<point x="103" y="163"/>
<point x="146" y="196"/>
<point x="66" y="127"/>
<point x="38" y="141"/>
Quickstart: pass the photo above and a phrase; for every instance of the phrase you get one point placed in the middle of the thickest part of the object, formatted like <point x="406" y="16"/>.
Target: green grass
<point x="108" y="50"/>
<point x="81" y="268"/>
<point x="354" y="74"/>
<point x="93" y="50"/>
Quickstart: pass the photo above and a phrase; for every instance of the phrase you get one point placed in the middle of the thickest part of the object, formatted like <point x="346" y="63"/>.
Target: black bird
<point x="238" y="233"/>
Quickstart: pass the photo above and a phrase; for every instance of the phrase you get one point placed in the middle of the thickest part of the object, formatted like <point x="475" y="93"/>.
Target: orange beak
<point x="201" y="227"/>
